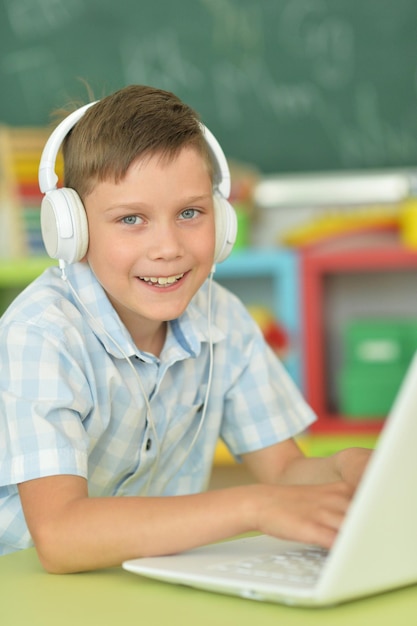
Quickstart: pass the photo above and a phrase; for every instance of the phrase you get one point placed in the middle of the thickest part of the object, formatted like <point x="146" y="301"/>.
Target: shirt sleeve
<point x="43" y="394"/>
<point x="263" y="406"/>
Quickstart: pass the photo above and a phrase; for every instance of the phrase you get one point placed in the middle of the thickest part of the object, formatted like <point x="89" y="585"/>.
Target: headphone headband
<point x="47" y="176"/>
<point x="223" y="183"/>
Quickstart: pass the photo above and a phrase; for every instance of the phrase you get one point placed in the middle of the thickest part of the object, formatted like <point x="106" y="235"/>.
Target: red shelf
<point x="316" y="264"/>
<point x="336" y="424"/>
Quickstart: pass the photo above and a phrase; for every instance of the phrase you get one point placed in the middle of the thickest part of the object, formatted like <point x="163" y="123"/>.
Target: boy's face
<point x="152" y="238"/>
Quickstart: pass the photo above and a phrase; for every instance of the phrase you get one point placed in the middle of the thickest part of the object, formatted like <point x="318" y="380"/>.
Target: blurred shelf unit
<point x="269" y="277"/>
<point x="340" y="284"/>
<point x="345" y="228"/>
<point x="20" y="198"/>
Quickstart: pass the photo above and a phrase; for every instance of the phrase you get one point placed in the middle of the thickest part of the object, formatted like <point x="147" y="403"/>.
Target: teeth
<point x="162" y="280"/>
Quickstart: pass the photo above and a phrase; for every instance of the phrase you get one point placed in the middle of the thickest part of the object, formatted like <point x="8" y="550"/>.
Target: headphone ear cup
<point x="64" y="225"/>
<point x="226" y="227"/>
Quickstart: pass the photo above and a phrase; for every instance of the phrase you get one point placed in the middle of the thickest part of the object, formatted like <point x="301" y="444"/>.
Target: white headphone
<point x="63" y="218"/>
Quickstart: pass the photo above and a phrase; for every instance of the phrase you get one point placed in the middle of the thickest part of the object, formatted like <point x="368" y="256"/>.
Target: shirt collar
<point x="189" y="331"/>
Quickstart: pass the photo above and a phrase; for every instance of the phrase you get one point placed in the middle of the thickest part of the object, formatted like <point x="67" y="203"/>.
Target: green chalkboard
<point x="289" y="85"/>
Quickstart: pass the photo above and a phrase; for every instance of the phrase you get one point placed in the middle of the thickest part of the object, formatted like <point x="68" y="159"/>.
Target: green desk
<point x="29" y="596"/>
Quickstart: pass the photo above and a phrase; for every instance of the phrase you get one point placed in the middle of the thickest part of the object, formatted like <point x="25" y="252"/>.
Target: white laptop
<point x="375" y="550"/>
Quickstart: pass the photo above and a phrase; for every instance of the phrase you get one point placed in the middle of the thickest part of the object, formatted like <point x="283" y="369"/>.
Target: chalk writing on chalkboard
<point x="32" y="18"/>
<point x="36" y="71"/>
<point x="159" y="60"/>
<point x="325" y="41"/>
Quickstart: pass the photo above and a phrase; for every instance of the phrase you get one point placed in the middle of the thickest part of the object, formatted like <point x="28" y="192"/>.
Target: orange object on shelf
<point x="274" y="333"/>
<point x="341" y="223"/>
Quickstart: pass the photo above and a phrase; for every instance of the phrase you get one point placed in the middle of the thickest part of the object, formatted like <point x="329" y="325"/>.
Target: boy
<point x="119" y="372"/>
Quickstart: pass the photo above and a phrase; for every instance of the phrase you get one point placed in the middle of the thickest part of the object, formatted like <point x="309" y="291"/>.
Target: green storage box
<point x="380" y="341"/>
<point x="368" y="391"/>
<point x="377" y="352"/>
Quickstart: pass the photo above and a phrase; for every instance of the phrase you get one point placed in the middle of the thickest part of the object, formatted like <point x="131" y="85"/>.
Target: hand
<point x="306" y="513"/>
<point x="351" y="464"/>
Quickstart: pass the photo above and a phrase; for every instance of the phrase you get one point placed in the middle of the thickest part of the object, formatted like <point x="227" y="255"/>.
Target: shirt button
<point x="149" y="444"/>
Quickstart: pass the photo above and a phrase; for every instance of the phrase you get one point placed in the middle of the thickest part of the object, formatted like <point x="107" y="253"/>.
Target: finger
<point x="332" y="519"/>
<point x="341" y="488"/>
<point x="310" y="533"/>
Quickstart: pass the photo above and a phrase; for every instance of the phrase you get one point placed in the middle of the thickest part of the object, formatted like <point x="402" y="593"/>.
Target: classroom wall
<point x="289" y="85"/>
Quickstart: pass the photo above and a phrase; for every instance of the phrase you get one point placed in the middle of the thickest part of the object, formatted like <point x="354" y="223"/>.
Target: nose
<point x="166" y="242"/>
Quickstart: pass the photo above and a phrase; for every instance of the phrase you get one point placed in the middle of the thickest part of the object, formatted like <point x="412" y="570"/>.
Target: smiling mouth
<point x="161" y="281"/>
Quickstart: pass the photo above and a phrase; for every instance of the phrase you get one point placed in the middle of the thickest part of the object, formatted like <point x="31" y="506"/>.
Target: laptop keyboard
<point x="295" y="566"/>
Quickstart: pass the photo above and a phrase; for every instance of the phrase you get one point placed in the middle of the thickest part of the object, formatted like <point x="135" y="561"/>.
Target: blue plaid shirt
<point x="71" y="403"/>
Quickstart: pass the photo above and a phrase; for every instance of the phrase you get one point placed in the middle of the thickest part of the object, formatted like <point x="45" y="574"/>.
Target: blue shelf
<point x="269" y="277"/>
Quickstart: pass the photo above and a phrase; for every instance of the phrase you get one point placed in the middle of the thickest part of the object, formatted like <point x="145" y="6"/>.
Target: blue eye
<point x="188" y="214"/>
<point x="131" y="220"/>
